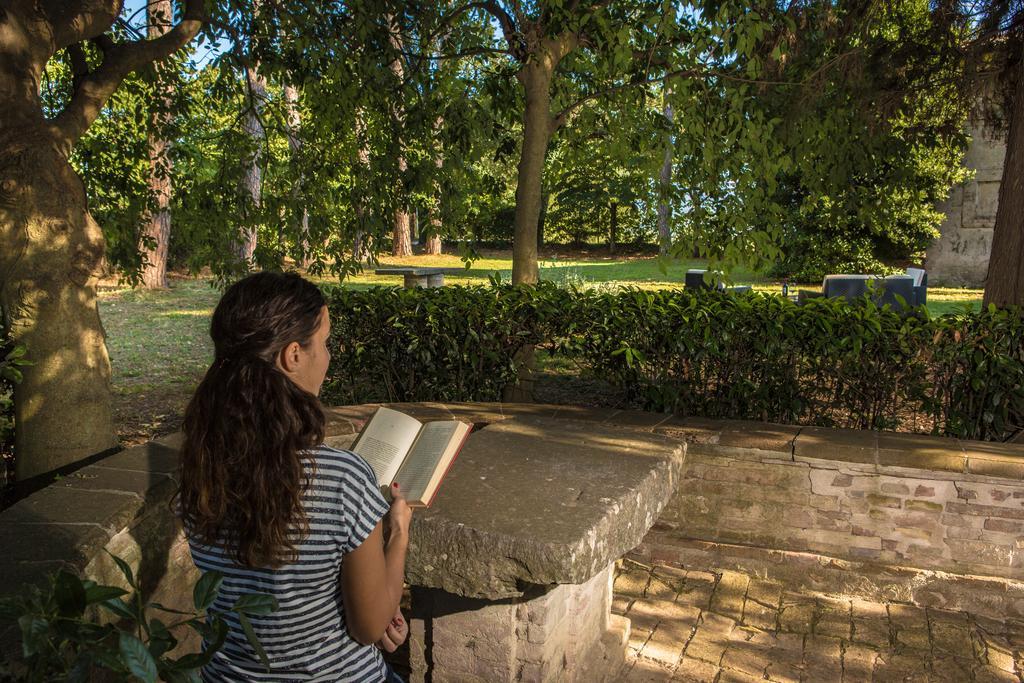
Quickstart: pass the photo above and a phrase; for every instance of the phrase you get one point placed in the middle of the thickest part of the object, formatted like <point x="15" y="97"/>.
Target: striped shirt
<point x="306" y="638"/>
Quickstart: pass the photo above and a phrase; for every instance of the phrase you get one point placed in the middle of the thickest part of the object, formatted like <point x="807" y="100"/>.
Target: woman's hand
<point x="395" y="635"/>
<point x="400" y="514"/>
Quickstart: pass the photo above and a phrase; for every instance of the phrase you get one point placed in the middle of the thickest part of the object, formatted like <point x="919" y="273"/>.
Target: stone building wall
<point x="960" y="256"/>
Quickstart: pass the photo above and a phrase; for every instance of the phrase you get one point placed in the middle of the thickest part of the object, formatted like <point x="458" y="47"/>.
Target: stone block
<point x="760" y="436"/>
<point x="760" y="616"/>
<point x="669" y="639"/>
<point x="743" y="656"/>
<point x="858" y="662"/>
<point x="823" y="658"/>
<point x="923" y="506"/>
<point x="979" y="553"/>
<point x="796" y="618"/>
<point x="729" y="595"/>
<point x="707" y="646"/>
<point x="1004" y="525"/>
<point x="833" y="620"/>
<point x="848" y="445"/>
<point x="693" y="669"/>
<point x="883" y="501"/>
<point x="765" y="592"/>
<point x="644" y="671"/>
<point x="985" y="510"/>
<point x="621" y="481"/>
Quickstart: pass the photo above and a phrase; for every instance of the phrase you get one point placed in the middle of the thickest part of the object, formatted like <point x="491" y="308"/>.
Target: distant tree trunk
<point x="291" y="98"/>
<point x="1004" y="285"/>
<point x="252" y="180"/>
<point x="157" y="222"/>
<point x="362" y="163"/>
<point x="538" y="126"/>
<point x="613" y="226"/>
<point x="433" y="243"/>
<point x="401" y="242"/>
<point x="665" y="189"/>
<point x="537" y="129"/>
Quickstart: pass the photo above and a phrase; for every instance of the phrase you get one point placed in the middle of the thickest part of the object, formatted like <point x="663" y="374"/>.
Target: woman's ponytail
<point x="248" y="425"/>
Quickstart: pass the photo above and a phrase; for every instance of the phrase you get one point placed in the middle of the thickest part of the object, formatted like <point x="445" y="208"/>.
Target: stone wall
<point x="922" y="516"/>
<point x="960" y="256"/>
<point x="928" y="520"/>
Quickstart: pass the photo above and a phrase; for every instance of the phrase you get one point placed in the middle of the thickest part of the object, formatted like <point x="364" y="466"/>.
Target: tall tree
<point x="252" y="179"/>
<point x="156" y="230"/>
<point x="665" y="189"/>
<point x="294" y="122"/>
<point x="401" y="242"/>
<point x="996" y="47"/>
<point x="51" y="246"/>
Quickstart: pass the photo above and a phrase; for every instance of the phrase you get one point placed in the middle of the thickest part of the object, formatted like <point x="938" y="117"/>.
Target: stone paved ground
<point x="725" y="626"/>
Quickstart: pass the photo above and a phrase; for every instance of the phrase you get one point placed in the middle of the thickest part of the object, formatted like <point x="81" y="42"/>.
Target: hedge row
<point x="751" y="356"/>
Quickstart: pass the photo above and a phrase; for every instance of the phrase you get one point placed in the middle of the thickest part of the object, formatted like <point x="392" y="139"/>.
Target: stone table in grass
<point x="511" y="567"/>
<point x="419" y="276"/>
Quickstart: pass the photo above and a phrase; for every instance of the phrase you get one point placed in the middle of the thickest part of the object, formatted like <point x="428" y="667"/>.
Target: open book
<point x="415" y="454"/>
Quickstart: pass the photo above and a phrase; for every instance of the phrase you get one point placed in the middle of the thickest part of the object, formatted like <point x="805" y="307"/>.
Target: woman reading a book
<point x="266" y="504"/>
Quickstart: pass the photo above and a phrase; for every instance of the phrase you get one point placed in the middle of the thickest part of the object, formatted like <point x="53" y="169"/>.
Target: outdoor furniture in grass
<point x="920" y="276"/>
<point x="894" y="290"/>
<point x="419" y="277"/>
<point x="695" y="280"/>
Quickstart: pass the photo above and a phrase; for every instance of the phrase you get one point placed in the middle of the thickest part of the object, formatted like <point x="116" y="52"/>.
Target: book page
<point x="385" y="441"/>
<point x="423" y="460"/>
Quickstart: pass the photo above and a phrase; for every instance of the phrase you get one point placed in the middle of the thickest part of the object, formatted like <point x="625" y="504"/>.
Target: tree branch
<point x="119" y="60"/>
<point x="508" y="26"/>
<point x="559" y="119"/>
<point x="76" y="22"/>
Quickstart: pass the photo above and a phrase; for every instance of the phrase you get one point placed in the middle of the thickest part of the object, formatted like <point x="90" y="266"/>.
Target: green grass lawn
<point x="160" y="347"/>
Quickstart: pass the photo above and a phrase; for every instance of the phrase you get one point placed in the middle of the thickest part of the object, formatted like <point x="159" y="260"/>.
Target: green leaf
<point x="126" y="570"/>
<point x="137" y="658"/>
<point x="34" y="632"/>
<point x="118" y="607"/>
<point x="250" y="635"/>
<point x="206" y="589"/>
<point x="69" y="594"/>
<point x="94" y="594"/>
<point x="255" y="603"/>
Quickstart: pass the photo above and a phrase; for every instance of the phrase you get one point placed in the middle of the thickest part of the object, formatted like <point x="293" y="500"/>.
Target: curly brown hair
<point x="248" y="426"/>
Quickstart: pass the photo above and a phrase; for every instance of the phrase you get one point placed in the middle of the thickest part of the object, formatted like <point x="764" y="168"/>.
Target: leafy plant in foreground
<point x="63" y="640"/>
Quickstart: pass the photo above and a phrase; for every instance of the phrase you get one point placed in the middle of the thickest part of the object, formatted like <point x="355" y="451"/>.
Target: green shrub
<point x="443" y="344"/>
<point x="62" y="639"/>
<point x="751" y="356"/>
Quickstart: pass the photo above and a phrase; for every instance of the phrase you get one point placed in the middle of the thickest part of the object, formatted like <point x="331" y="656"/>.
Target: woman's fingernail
<point x="395" y="485"/>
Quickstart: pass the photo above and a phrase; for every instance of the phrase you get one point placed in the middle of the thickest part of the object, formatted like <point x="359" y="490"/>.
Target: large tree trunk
<point x="291" y="98"/>
<point x="252" y="178"/>
<point x="1004" y="285"/>
<point x="401" y="242"/>
<point x="51" y="249"/>
<point x="665" y="188"/>
<point x="157" y="227"/>
<point x="49" y="266"/>
<point x="537" y="129"/>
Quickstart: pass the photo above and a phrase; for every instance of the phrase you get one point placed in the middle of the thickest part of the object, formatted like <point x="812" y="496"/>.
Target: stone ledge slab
<point x="540" y="501"/>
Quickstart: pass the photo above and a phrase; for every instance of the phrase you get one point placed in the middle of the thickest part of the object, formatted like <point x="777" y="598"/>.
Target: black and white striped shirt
<point x="306" y="638"/>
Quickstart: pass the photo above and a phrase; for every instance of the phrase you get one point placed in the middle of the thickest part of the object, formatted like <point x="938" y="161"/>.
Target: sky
<point x="135" y="11"/>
